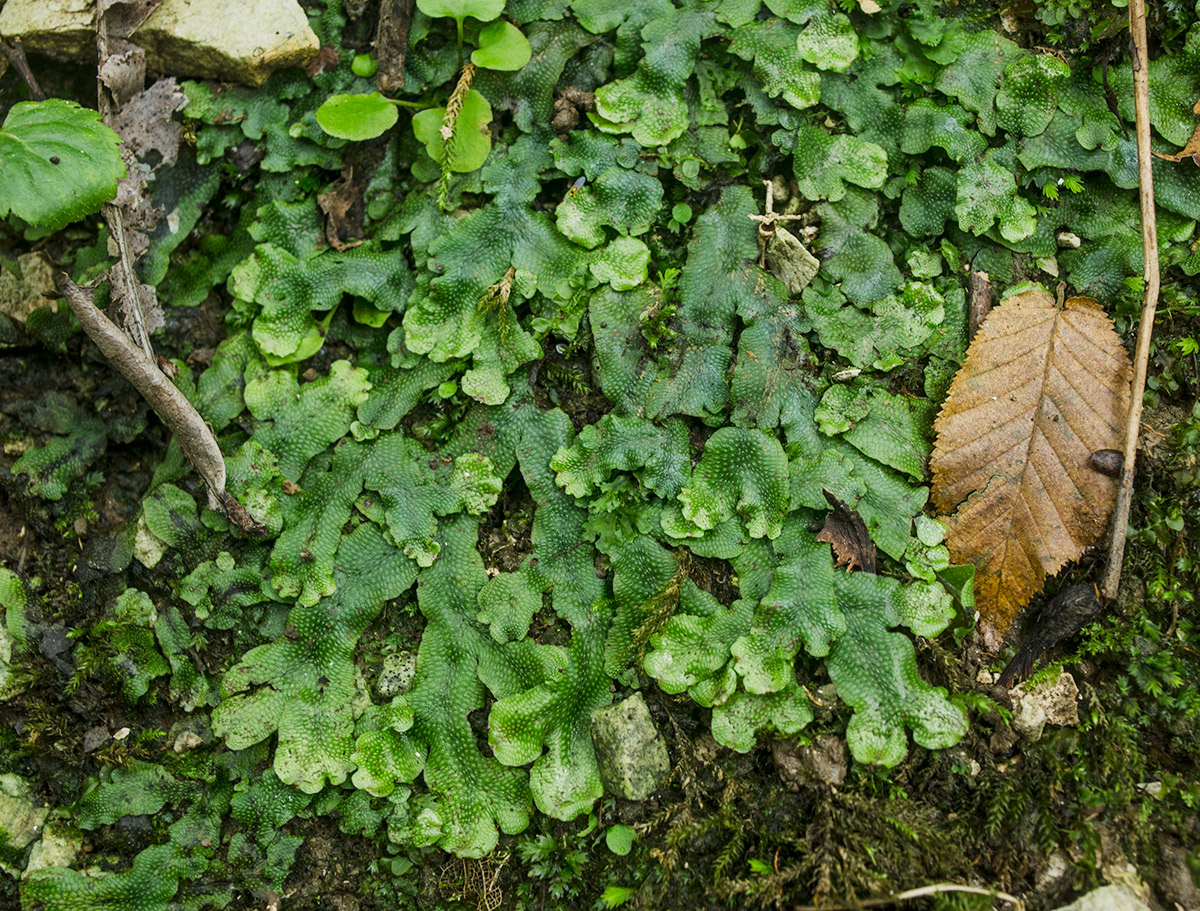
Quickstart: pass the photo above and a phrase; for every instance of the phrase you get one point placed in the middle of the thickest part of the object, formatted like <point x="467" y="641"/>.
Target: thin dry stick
<point x="16" y="56"/>
<point x="1141" y="100"/>
<point x="766" y="223"/>
<point x="135" y="319"/>
<point x="922" y="892"/>
<point x="195" y="437"/>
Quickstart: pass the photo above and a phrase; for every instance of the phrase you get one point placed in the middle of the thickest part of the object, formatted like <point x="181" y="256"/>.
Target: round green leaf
<point x="357" y="117"/>
<point x="364" y="65"/>
<point x="471" y="143"/>
<point x="502" y="47"/>
<point x="458" y="10"/>
<point x="58" y="162"/>
<point x="619" y="839"/>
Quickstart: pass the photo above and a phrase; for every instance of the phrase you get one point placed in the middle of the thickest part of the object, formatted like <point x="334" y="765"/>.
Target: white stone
<point x="147" y="548"/>
<point x="20" y="820"/>
<point x="35" y="288"/>
<point x="1050" y="702"/>
<point x="1108" y="898"/>
<point x="59" y="847"/>
<point x="229" y="40"/>
<point x="188" y="740"/>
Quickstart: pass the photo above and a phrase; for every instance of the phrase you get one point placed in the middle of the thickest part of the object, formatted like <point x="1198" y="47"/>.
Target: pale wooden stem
<point x="922" y="892"/>
<point x="1141" y="98"/>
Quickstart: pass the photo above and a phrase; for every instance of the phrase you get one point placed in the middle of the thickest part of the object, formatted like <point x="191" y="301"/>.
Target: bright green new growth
<point x="741" y="660"/>
<point x="1026" y="101"/>
<point x="305" y="684"/>
<point x="58" y="162"/>
<point x="829" y="42"/>
<point x="357" y="117"/>
<point x="823" y="162"/>
<point x="657" y="454"/>
<point x="876" y="672"/>
<point x="777" y="67"/>
<point x="138" y="789"/>
<point x="501" y="47"/>
<point x="743" y="473"/>
<point x="289" y="289"/>
<point x="987" y="193"/>
<point x="137" y="659"/>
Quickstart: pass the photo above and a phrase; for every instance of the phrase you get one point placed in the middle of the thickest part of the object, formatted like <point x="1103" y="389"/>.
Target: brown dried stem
<point x="1141" y="101"/>
<point x="132" y="308"/>
<point x="16" y="56"/>
<point x="195" y="437"/>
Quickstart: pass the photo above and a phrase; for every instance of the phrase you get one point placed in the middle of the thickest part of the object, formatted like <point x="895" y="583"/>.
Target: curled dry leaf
<point x="1064" y="616"/>
<point x="847" y="532"/>
<point x="1041" y="390"/>
<point x="1191" y="150"/>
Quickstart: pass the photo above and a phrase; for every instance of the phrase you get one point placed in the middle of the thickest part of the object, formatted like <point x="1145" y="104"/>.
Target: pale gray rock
<point x="20" y="821"/>
<point x="790" y="261"/>
<point x="59" y="847"/>
<point x="1050" y="702"/>
<point x="229" y="40"/>
<point x="632" y="755"/>
<point x="1108" y="898"/>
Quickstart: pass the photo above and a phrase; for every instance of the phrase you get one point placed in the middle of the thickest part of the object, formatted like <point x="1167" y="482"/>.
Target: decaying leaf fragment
<point x="845" y="529"/>
<point x="1191" y="150"/>
<point x="1041" y="390"/>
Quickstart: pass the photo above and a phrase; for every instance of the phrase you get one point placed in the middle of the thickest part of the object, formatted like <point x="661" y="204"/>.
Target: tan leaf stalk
<point x="1141" y="102"/>
<point x="449" y="122"/>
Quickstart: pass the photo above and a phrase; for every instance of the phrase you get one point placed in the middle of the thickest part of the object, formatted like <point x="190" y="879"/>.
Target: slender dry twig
<point x="922" y="892"/>
<point x="766" y="223"/>
<point x="1141" y="99"/>
<point x="195" y="437"/>
<point x="16" y="56"/>
<point x="131" y="308"/>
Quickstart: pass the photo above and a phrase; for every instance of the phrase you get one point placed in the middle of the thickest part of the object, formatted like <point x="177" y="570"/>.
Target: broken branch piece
<point x="194" y="435"/>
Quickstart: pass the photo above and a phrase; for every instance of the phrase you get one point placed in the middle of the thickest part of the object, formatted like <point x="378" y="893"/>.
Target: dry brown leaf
<point x="1191" y="150"/>
<point x="845" y="529"/>
<point x="1041" y="390"/>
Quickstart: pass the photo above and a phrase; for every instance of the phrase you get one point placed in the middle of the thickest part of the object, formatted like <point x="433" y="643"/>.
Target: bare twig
<point x="922" y="892"/>
<point x="16" y="56"/>
<point x="766" y="223"/>
<point x="136" y="323"/>
<point x="194" y="435"/>
<point x="127" y="291"/>
<point x="1141" y="99"/>
<point x="391" y="43"/>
